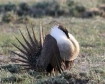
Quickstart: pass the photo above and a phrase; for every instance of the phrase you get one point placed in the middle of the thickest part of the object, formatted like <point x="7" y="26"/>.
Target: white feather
<point x="58" y="34"/>
<point x="67" y="47"/>
<point x="77" y="48"/>
<point x="64" y="44"/>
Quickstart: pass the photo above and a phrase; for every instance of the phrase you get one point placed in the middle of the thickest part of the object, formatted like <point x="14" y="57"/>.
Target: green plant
<point x="52" y="9"/>
<point x="41" y="5"/>
<point x="23" y="9"/>
<point x="24" y="19"/>
<point x="48" y="8"/>
<point x="24" y="6"/>
<point x="80" y="8"/>
<point x="11" y="79"/>
<point x="102" y="1"/>
<point x="1" y="8"/>
<point x="70" y="3"/>
<point x="11" y="68"/>
<point x="9" y="7"/>
<point x="9" y="17"/>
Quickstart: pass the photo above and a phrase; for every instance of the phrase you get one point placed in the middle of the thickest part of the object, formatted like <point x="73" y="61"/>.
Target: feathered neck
<point x="57" y="33"/>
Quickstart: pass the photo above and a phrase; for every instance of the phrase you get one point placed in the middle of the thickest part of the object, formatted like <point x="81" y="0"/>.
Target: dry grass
<point x="89" y="67"/>
<point x="90" y="34"/>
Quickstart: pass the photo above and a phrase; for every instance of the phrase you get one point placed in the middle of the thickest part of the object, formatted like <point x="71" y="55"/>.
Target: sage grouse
<point x="56" y="51"/>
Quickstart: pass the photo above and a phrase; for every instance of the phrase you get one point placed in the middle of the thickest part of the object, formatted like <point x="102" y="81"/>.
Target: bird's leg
<point x="53" y="72"/>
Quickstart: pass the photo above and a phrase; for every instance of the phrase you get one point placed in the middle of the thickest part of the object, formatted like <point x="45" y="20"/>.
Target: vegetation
<point x="90" y="33"/>
<point x="88" y="66"/>
<point x="47" y="8"/>
<point x="44" y="8"/>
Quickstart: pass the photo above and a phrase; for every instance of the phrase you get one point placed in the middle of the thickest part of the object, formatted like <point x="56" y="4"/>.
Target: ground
<point x="88" y="68"/>
<point x="90" y="34"/>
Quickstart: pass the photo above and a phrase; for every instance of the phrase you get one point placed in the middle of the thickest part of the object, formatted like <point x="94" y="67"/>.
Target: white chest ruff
<point x="66" y="50"/>
<point x="65" y="45"/>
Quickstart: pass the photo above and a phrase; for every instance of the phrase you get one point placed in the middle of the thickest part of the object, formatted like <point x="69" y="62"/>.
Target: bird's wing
<point x="50" y="54"/>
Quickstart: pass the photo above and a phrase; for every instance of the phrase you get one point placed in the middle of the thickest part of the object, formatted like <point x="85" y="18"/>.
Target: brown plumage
<point x="49" y="53"/>
<point x="50" y="56"/>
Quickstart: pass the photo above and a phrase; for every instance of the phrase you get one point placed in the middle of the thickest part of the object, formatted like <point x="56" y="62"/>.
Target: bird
<point x="55" y="51"/>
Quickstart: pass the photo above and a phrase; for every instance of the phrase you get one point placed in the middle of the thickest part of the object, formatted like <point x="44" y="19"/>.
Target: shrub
<point x="9" y="17"/>
<point x="48" y="8"/>
<point x="96" y="11"/>
<point x="23" y="9"/>
<point x="41" y="9"/>
<point x="38" y="9"/>
<point x="2" y="8"/>
<point x="78" y="11"/>
<point x="36" y="12"/>
<point x="11" y="68"/>
<point x="53" y="9"/>
<point x="102" y="1"/>
<point x="41" y="5"/>
<point x="70" y="3"/>
<point x="80" y="8"/>
<point x="11" y="79"/>
<point x="75" y="9"/>
<point x="24" y="6"/>
<point x="60" y="12"/>
<point x="102" y="7"/>
<point x="87" y="14"/>
<point x="24" y="19"/>
<point x="21" y="12"/>
<point x="73" y="12"/>
<point x="9" y="7"/>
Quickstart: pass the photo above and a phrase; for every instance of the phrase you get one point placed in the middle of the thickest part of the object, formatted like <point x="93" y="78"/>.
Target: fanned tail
<point x="31" y="50"/>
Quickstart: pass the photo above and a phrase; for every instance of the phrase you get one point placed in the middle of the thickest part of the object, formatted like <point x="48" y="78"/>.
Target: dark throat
<point x="64" y="30"/>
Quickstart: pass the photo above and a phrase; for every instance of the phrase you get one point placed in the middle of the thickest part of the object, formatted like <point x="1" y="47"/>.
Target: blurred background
<point x="84" y="19"/>
<point x="24" y="10"/>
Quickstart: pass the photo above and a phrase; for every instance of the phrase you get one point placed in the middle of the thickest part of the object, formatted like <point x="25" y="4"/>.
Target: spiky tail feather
<point x="31" y="50"/>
